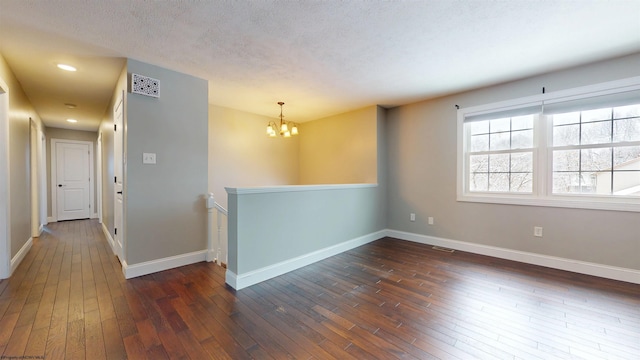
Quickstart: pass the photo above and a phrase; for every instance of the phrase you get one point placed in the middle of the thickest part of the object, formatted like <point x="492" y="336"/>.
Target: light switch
<point x="148" y="158"/>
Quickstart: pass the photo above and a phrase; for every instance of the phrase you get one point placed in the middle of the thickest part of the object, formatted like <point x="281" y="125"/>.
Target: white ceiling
<point x="320" y="57"/>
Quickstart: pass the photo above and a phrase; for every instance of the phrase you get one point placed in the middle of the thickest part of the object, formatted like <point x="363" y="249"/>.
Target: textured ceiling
<point x="319" y="57"/>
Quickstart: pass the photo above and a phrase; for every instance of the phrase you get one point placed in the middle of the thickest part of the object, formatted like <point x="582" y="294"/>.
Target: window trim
<point x="541" y="195"/>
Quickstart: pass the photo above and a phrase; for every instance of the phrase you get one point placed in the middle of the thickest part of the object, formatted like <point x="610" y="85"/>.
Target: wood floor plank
<point x="113" y="342"/>
<point x="191" y="321"/>
<point x="388" y="299"/>
<point x="37" y="342"/>
<point x="134" y="347"/>
<point x="287" y="293"/>
<point x="172" y="344"/>
<point x="94" y="339"/>
<point x="196" y="350"/>
<point x="18" y="341"/>
<point x="75" y="337"/>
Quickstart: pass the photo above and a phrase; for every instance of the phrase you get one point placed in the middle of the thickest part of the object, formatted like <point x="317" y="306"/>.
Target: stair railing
<point x="216" y="234"/>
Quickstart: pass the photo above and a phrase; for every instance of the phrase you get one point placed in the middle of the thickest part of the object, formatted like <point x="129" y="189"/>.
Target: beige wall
<point x="20" y="110"/>
<point x="422" y="142"/>
<point x="67" y="134"/>
<point x="340" y="149"/>
<point x="241" y="154"/>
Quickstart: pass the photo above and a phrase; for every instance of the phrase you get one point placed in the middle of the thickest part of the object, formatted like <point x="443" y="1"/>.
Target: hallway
<point x="68" y="299"/>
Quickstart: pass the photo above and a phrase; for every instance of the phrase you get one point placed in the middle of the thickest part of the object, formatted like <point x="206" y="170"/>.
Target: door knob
<point x="59" y="185"/>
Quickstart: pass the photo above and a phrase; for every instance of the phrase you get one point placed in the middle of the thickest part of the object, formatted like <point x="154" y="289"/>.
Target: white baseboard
<point x="582" y="267"/>
<point x="107" y="235"/>
<point x="16" y="260"/>
<point x="149" y="267"/>
<point x="211" y="256"/>
<point x="232" y="279"/>
<point x="51" y="219"/>
<point x="94" y="216"/>
<point x="240" y="281"/>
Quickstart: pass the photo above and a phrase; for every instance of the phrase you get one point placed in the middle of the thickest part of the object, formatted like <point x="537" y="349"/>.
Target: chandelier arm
<point x="284" y="129"/>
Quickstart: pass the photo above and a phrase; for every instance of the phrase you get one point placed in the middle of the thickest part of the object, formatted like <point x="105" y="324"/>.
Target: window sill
<point x="572" y="202"/>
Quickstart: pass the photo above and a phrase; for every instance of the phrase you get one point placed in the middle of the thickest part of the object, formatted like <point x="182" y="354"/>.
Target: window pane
<point x="566" y="135"/>
<point x="499" y="163"/>
<point x="500" y="125"/>
<point x="479" y="163"/>
<point x="596" y="115"/>
<point x="500" y="141"/>
<point x="626" y="111"/>
<point x="626" y="183"/>
<point x="499" y="182"/>
<point x="588" y="182"/>
<point x="522" y="162"/>
<point x="479" y="143"/>
<point x="479" y="127"/>
<point x="479" y="182"/>
<point x="522" y="139"/>
<point x="594" y="152"/>
<point x="566" y="183"/>
<point x="522" y="122"/>
<point x="596" y="159"/>
<point x="566" y="118"/>
<point x="626" y="130"/>
<point x="596" y="133"/>
<point x="626" y="158"/>
<point x="603" y="183"/>
<point x="522" y="182"/>
<point x="566" y="160"/>
<point x="573" y="183"/>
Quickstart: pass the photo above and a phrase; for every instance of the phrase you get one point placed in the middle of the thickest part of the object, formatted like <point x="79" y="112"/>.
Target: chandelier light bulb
<point x="287" y="129"/>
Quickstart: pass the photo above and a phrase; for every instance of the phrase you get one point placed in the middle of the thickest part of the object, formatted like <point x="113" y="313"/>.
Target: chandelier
<point x="283" y="127"/>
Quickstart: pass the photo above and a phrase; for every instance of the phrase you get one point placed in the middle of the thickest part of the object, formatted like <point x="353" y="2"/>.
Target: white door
<point x="73" y="180"/>
<point x="118" y="163"/>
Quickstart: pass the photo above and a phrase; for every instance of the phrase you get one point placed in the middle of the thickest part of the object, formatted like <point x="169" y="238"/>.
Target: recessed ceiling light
<point x="70" y="105"/>
<point x="66" y="67"/>
<point x="72" y="120"/>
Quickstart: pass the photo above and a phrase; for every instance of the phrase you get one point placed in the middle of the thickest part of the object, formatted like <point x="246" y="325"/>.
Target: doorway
<point x="118" y="164"/>
<point x="35" y="170"/>
<point x="71" y="179"/>
<point x="43" y="178"/>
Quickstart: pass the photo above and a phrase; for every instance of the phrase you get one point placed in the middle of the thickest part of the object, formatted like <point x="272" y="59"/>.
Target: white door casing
<point x="43" y="178"/>
<point x="71" y="180"/>
<point x="34" y="175"/>
<point x="98" y="210"/>
<point x="118" y="163"/>
<point x="5" y="216"/>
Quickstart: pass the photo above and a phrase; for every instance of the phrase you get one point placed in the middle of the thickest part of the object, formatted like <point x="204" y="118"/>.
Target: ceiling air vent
<point x="145" y="85"/>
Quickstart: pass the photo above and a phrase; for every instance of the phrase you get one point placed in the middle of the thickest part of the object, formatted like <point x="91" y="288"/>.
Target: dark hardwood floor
<point x="386" y="300"/>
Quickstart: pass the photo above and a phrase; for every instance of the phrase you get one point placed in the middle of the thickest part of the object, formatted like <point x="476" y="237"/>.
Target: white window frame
<point x="542" y="156"/>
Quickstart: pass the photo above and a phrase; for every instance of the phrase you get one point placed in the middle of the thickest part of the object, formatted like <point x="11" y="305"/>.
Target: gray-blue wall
<point x="165" y="210"/>
<point x="422" y="145"/>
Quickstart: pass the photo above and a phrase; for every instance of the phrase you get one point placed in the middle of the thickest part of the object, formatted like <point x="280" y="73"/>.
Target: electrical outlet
<point x="430" y="220"/>
<point x="412" y="217"/>
<point x="148" y="158"/>
<point x="537" y="231"/>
